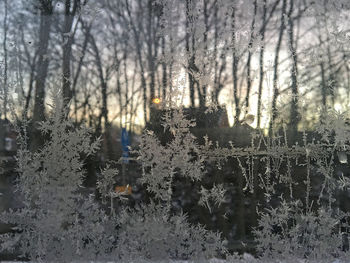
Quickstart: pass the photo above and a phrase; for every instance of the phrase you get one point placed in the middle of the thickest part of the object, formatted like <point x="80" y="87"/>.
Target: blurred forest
<point x="274" y="60"/>
<point x="262" y="63"/>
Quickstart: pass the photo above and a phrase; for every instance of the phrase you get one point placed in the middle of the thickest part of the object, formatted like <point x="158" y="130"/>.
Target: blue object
<point x="125" y="145"/>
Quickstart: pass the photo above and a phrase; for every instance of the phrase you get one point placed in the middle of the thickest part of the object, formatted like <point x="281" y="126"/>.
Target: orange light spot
<point x="124" y="189"/>
<point x="156" y="100"/>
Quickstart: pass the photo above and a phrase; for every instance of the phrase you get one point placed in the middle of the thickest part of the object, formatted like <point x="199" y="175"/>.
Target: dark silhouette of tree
<point x="276" y="64"/>
<point x="46" y="12"/>
<point x="72" y="8"/>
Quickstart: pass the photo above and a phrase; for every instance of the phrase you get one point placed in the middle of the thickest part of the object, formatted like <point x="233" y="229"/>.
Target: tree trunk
<point x="250" y="45"/>
<point x="164" y="71"/>
<point x="68" y="37"/>
<point x="5" y="91"/>
<point x="203" y="97"/>
<point x="104" y="108"/>
<point x="150" y="57"/>
<point x="323" y="86"/>
<point x="215" y="94"/>
<point x="139" y="58"/>
<point x="235" y="66"/>
<point x="189" y="19"/>
<point x="126" y="86"/>
<point x="294" y="114"/>
<point x="80" y="64"/>
<point x="42" y="69"/>
<point x="261" y="64"/>
<point x="275" y="72"/>
<point x="31" y="63"/>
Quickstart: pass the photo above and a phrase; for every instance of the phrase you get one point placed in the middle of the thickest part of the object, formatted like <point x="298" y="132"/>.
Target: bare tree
<point x="46" y="12"/>
<point x="294" y="114"/>
<point x="276" y="64"/>
<point x="190" y="53"/>
<point x="103" y="77"/>
<point x="71" y="9"/>
<point x="129" y="20"/>
<point x="250" y="45"/>
<point x="235" y="61"/>
<point x="261" y="63"/>
<point x="4" y="43"/>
